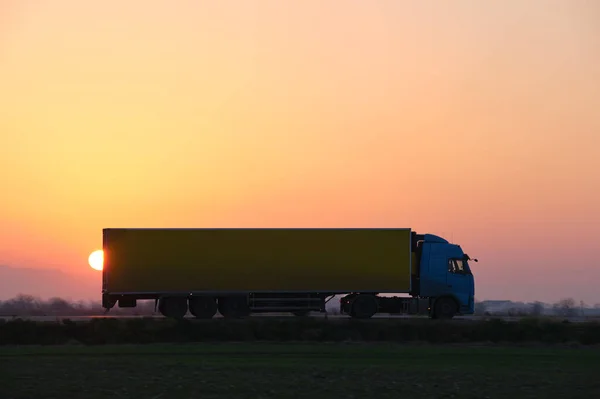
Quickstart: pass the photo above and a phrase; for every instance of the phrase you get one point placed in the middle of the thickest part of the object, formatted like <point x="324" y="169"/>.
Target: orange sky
<point x="477" y="121"/>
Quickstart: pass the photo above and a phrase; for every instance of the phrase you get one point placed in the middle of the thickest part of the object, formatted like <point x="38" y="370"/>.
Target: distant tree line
<point x="29" y="305"/>
<point x="566" y="307"/>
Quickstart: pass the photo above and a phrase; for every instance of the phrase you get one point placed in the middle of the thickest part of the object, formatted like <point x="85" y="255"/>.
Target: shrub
<point x="148" y="330"/>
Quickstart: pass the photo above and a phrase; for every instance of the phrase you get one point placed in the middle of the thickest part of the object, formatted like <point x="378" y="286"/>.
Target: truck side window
<point x="460" y="266"/>
<point x="451" y="266"/>
<point x="456" y="266"/>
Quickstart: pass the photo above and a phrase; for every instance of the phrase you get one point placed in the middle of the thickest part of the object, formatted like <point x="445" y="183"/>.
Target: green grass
<point x="302" y="370"/>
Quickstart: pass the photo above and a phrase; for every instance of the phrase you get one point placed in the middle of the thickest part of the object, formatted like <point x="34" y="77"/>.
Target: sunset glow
<point x="475" y="121"/>
<point x="96" y="260"/>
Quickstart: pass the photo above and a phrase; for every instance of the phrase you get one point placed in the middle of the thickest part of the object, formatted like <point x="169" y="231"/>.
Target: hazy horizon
<point x="475" y="121"/>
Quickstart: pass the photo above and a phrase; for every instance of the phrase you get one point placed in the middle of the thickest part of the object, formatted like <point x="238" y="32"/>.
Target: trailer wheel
<point x="364" y="307"/>
<point x="234" y="307"/>
<point x="445" y="308"/>
<point x="203" y="307"/>
<point x="173" y="307"/>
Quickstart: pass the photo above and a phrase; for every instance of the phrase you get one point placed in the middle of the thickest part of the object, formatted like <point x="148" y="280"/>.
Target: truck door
<point x="460" y="281"/>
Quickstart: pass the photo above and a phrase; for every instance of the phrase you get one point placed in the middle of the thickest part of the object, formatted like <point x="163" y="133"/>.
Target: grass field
<point x="271" y="370"/>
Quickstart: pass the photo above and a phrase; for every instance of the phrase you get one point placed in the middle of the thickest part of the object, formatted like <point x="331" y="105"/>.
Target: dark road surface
<point x="275" y="315"/>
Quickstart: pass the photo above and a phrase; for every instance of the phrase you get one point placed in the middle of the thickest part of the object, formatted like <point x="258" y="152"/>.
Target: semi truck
<point x="242" y="271"/>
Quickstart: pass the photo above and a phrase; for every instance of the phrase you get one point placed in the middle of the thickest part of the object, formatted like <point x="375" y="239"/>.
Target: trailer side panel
<point x="256" y="260"/>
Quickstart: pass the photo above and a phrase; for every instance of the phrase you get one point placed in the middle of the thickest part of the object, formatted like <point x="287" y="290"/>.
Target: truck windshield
<point x="458" y="266"/>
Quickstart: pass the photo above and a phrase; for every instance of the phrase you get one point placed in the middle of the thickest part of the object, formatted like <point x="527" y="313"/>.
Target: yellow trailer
<point x="238" y="271"/>
<point x="256" y="260"/>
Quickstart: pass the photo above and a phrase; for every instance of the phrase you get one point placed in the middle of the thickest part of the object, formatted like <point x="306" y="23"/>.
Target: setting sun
<point x="96" y="260"/>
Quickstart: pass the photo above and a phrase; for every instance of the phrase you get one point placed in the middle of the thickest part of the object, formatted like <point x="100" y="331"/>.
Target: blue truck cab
<point x="444" y="276"/>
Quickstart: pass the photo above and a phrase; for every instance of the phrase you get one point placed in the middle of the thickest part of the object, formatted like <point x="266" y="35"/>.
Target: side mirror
<point x="467" y="257"/>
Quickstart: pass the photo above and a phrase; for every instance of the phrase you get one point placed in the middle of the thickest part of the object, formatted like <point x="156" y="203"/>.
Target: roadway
<point x="277" y="315"/>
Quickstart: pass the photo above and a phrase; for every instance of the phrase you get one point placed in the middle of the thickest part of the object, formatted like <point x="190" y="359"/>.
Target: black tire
<point x="364" y="307"/>
<point x="234" y="307"/>
<point x="445" y="309"/>
<point x="173" y="307"/>
<point x="203" y="307"/>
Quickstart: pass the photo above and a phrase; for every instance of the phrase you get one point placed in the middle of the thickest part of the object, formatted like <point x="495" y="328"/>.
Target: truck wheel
<point x="234" y="307"/>
<point x="173" y="307"/>
<point x="203" y="307"/>
<point x="364" y="307"/>
<point x="445" y="309"/>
